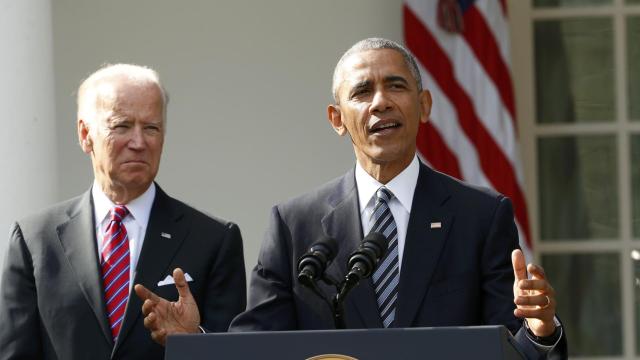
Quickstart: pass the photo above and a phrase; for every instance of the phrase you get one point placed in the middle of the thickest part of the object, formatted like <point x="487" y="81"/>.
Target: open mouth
<point x="383" y="126"/>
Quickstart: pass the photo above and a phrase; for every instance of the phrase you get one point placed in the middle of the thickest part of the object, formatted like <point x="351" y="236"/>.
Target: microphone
<point x="361" y="265"/>
<point x="313" y="263"/>
<point x="363" y="261"/>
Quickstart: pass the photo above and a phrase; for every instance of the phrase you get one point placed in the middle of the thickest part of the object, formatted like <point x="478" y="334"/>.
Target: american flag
<point x="462" y="48"/>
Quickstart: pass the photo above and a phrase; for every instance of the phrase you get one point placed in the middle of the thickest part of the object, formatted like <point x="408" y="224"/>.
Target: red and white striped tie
<point x="115" y="268"/>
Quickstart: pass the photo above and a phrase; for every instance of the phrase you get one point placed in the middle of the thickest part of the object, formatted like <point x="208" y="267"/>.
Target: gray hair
<point x="88" y="92"/>
<point x="376" y="44"/>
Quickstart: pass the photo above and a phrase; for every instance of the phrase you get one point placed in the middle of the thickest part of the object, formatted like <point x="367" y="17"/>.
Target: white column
<point x="27" y="111"/>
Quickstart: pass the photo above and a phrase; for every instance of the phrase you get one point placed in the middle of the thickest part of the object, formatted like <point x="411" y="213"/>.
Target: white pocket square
<point x="169" y="280"/>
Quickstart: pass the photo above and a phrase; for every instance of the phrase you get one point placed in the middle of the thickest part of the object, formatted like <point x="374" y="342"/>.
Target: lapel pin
<point x="436" y="225"/>
<point x="165" y="235"/>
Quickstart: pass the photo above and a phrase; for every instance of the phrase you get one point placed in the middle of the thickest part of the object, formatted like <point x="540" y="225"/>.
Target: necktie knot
<point x="383" y="194"/>
<point x="119" y="212"/>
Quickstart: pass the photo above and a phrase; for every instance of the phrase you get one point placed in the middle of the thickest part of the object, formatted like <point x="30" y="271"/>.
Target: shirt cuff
<point x="545" y="342"/>
<point x="202" y="330"/>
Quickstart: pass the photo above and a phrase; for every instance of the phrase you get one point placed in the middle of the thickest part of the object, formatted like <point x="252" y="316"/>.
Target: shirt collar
<point x="139" y="208"/>
<point x="402" y="186"/>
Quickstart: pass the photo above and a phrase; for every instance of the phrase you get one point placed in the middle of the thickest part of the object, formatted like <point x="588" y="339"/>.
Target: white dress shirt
<point x="135" y="223"/>
<point x="402" y="186"/>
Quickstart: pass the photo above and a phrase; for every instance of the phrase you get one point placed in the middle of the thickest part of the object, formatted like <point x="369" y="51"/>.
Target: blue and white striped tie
<point x="387" y="275"/>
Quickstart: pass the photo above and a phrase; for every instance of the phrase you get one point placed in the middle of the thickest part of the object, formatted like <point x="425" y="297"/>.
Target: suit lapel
<point x="156" y="254"/>
<point x="423" y="244"/>
<point x="343" y="224"/>
<point x="78" y="240"/>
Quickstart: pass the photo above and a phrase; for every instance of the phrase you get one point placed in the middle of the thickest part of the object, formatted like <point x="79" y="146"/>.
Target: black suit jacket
<point x="459" y="274"/>
<point x="51" y="299"/>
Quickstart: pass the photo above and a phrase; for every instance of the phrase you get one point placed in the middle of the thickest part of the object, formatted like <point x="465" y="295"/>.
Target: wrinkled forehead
<point x="104" y="95"/>
<point x="124" y="92"/>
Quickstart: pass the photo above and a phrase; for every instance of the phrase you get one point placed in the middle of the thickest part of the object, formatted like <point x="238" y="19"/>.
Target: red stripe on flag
<point x="493" y="162"/>
<point x="503" y="6"/>
<point x="436" y="151"/>
<point x="481" y="40"/>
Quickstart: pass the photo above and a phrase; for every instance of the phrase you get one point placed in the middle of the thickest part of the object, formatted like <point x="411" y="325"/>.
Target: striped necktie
<point x="386" y="276"/>
<point x="115" y="268"/>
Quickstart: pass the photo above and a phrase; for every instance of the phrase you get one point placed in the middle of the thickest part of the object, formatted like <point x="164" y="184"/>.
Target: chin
<point x="136" y="182"/>
<point x="387" y="155"/>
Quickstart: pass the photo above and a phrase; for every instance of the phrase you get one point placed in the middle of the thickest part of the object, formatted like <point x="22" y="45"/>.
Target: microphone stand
<point x="365" y="259"/>
<point x="336" y="305"/>
<point x="343" y="289"/>
<point x="338" y="312"/>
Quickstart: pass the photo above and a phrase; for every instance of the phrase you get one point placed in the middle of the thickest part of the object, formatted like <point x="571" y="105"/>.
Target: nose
<point x="136" y="141"/>
<point x="380" y="102"/>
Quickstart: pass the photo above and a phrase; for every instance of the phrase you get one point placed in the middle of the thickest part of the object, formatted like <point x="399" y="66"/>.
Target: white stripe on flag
<point x="473" y="79"/>
<point x="445" y="119"/>
<point x="491" y="11"/>
<point x="488" y="118"/>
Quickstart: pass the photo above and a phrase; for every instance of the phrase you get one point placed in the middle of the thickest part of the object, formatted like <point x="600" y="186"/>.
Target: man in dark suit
<point x="69" y="270"/>
<point x="453" y="257"/>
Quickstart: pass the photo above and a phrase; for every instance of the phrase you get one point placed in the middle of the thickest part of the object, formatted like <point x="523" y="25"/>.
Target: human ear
<point x="335" y="118"/>
<point x="84" y="138"/>
<point x="425" y="105"/>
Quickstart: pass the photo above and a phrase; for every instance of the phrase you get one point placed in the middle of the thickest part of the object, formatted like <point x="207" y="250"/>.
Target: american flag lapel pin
<point x="436" y="225"/>
<point x="165" y="235"/>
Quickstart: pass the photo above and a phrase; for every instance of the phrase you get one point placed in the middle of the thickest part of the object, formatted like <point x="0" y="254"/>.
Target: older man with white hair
<point x="69" y="270"/>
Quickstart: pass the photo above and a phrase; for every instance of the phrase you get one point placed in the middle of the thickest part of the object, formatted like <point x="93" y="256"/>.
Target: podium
<point x="476" y="342"/>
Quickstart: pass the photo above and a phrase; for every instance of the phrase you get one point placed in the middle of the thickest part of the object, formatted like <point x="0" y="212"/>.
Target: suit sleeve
<point x="497" y="271"/>
<point x="227" y="289"/>
<point x="20" y="335"/>
<point x="498" y="279"/>
<point x="271" y="305"/>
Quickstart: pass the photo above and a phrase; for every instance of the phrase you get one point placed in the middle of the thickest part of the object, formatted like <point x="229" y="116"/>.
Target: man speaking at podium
<point x="453" y="257"/>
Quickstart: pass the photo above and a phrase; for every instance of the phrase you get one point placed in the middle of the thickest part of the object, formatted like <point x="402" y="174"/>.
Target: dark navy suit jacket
<point x="459" y="274"/>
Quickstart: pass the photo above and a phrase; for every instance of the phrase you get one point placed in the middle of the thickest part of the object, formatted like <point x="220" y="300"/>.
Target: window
<point x="580" y="130"/>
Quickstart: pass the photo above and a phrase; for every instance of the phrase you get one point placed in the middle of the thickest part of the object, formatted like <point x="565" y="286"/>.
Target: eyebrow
<point x="396" y="78"/>
<point x="117" y="118"/>
<point x="361" y="85"/>
<point x="388" y="79"/>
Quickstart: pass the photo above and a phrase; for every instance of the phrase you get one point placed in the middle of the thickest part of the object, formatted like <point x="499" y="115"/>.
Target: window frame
<point x="522" y="16"/>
